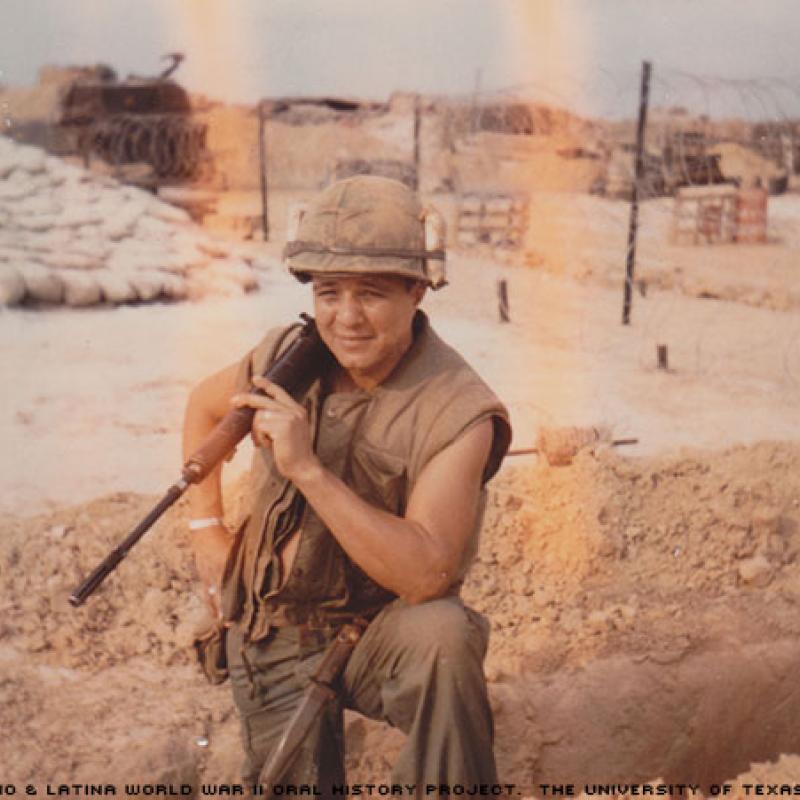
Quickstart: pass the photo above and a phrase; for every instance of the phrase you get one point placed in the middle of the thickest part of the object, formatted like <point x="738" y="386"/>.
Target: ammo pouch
<point x="210" y="648"/>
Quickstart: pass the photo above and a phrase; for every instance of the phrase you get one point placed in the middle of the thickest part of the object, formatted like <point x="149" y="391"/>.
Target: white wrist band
<point x="206" y="522"/>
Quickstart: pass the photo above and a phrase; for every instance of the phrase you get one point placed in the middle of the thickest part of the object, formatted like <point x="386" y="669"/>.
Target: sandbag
<point x="116" y="288"/>
<point x="12" y="287"/>
<point x="148" y="284"/>
<point x="80" y="288"/>
<point x="42" y="285"/>
<point x="175" y="287"/>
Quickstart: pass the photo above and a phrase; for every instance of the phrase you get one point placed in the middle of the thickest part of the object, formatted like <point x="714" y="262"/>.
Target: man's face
<point x="366" y="322"/>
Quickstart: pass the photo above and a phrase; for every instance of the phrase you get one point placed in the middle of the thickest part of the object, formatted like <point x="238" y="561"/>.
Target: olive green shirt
<point x="378" y="443"/>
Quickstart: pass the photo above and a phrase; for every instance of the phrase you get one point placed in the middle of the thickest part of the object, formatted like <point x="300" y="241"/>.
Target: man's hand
<point x="282" y="424"/>
<point x="211" y="549"/>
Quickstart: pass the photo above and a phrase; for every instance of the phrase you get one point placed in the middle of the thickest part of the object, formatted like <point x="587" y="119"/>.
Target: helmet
<point x="368" y="225"/>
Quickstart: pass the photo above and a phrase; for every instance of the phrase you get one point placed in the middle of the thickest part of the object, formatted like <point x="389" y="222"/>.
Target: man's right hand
<point x="211" y="547"/>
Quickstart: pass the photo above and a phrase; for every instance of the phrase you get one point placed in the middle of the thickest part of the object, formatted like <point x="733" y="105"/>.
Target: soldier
<point x="366" y="497"/>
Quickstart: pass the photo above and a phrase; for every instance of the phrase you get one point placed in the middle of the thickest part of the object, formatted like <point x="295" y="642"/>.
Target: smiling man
<point x="365" y="502"/>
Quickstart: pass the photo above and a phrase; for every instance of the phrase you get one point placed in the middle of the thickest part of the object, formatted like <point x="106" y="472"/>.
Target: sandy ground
<point x="643" y="602"/>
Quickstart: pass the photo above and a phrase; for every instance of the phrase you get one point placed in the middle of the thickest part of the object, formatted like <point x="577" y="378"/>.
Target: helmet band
<point x="296" y="248"/>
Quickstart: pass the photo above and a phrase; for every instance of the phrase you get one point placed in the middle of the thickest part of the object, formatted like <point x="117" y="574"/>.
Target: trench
<point x="702" y="719"/>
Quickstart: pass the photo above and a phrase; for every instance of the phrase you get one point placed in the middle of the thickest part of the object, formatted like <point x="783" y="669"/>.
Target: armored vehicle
<point x="137" y="120"/>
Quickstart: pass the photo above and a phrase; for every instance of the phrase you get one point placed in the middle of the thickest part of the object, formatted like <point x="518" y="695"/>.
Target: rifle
<point x="294" y="371"/>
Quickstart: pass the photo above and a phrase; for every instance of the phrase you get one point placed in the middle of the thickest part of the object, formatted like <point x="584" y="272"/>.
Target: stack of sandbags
<point x="69" y="236"/>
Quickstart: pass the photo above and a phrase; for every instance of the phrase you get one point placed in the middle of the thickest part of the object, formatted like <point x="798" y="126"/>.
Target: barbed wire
<point x="758" y="113"/>
<point x="753" y="99"/>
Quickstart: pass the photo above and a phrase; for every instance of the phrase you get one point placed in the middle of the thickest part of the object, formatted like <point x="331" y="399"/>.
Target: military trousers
<point x="417" y="667"/>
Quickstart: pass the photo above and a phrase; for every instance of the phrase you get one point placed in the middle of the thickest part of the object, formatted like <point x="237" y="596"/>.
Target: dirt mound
<point x="783" y="773"/>
<point x="496" y="162"/>
<point x="745" y="164"/>
<point x="618" y="587"/>
<point x="146" y="607"/>
<point x="643" y="614"/>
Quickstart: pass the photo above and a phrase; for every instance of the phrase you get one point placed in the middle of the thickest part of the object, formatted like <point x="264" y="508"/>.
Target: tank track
<point x="173" y="146"/>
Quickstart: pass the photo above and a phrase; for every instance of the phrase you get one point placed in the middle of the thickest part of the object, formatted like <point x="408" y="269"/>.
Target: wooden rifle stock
<point x="295" y="370"/>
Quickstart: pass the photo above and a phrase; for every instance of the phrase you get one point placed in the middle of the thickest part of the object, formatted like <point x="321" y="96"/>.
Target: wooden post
<point x="502" y="295"/>
<point x="474" y="126"/>
<point x="637" y="180"/>
<point x="416" y="141"/>
<point x="662" y="357"/>
<point x="262" y="170"/>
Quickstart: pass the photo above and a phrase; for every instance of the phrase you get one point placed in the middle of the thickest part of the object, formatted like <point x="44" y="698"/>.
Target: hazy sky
<point x="583" y="53"/>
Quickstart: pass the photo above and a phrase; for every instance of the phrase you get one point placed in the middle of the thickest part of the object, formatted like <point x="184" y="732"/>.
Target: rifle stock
<point x="294" y="371"/>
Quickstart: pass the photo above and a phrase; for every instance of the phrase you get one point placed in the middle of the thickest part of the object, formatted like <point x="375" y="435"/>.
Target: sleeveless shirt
<point x="378" y="443"/>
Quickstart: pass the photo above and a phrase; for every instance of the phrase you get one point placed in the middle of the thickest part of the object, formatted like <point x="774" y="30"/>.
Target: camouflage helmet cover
<point x="364" y="225"/>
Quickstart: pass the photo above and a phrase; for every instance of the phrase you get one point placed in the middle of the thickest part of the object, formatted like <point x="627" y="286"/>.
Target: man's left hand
<point x="282" y="424"/>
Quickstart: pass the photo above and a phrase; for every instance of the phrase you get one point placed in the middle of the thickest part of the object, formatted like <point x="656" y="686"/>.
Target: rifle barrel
<point x="111" y="561"/>
<point x="294" y="371"/>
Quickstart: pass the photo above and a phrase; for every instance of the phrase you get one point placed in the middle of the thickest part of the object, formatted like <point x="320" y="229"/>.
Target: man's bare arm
<point x="208" y="403"/>
<point x="417" y="556"/>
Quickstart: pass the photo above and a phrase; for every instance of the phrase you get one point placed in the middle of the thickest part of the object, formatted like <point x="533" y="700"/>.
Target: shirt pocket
<point x="379" y="477"/>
